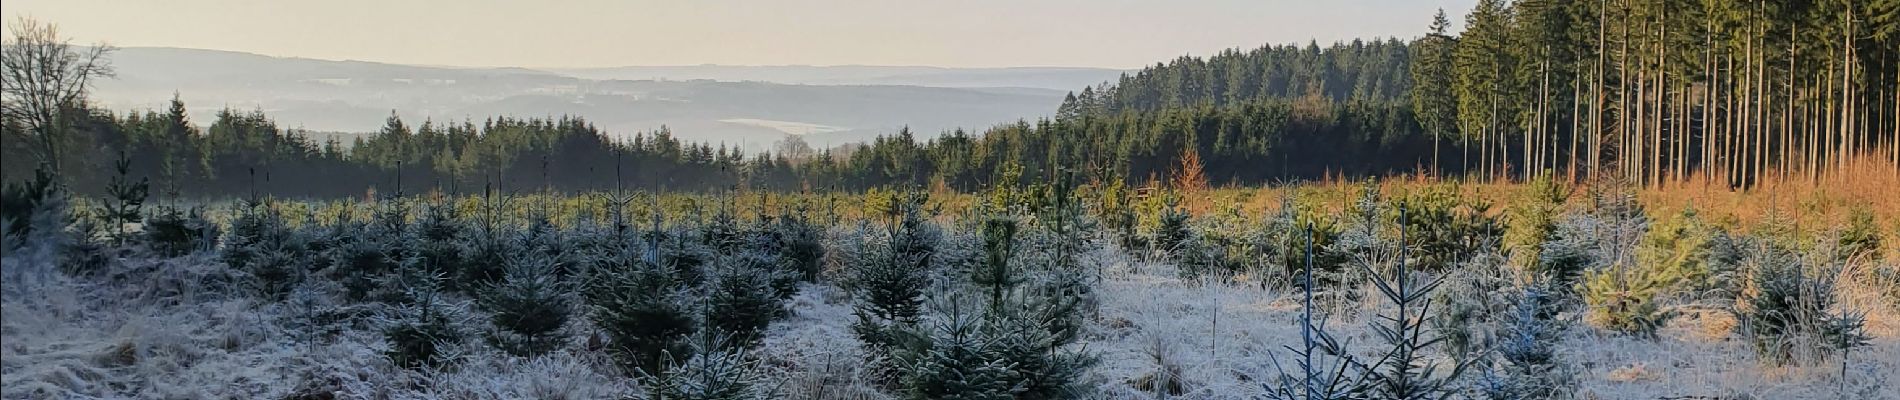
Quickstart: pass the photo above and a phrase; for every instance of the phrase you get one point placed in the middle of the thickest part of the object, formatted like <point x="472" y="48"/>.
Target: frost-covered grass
<point x="177" y="329"/>
<point x="138" y="332"/>
<point x="1217" y="337"/>
<point x="190" y="327"/>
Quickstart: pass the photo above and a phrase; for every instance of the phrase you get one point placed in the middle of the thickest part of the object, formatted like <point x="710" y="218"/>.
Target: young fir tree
<point x="741" y="300"/>
<point x="125" y="199"/>
<point x="890" y="282"/>
<point x="643" y="308"/>
<point x="529" y="307"/>
<point x="171" y="232"/>
<point x="422" y="331"/>
<point x="714" y="370"/>
<point x="800" y="243"/>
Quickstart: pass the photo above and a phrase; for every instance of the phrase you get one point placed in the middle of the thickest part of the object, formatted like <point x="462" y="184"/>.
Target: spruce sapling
<point x="125" y="199"/>
<point x="529" y="307"/>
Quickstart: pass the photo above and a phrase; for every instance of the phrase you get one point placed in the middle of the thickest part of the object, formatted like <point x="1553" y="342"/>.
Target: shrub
<point x="1562" y="260"/>
<point x="1445" y="229"/>
<point x="480" y="260"/>
<point x="1406" y="371"/>
<point x="1329" y="369"/>
<point x="1474" y="297"/>
<point x="1034" y="343"/>
<point x="678" y="250"/>
<point x="438" y="239"/>
<point x="254" y="229"/>
<point x="275" y="271"/>
<point x="955" y="358"/>
<point x="1621" y="291"/>
<point x="1679" y="248"/>
<point x="1172" y="233"/>
<point x="361" y="265"/>
<point x="993" y="273"/>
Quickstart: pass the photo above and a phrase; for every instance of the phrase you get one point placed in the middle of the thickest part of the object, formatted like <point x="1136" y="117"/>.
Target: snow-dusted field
<point x="173" y="329"/>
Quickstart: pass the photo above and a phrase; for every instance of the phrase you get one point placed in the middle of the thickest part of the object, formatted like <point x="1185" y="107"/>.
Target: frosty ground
<point x="167" y="329"/>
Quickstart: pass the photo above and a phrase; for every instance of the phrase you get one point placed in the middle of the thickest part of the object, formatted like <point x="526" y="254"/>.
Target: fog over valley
<point x="747" y="106"/>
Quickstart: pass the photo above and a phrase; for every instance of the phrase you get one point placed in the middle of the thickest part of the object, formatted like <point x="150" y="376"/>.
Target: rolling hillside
<point x="741" y="109"/>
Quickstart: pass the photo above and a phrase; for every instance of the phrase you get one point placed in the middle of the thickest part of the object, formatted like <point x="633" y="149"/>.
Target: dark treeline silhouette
<point x="242" y="153"/>
<point x="1351" y="119"/>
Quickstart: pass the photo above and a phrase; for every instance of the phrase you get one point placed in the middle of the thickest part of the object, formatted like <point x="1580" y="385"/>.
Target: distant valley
<point x="747" y="106"/>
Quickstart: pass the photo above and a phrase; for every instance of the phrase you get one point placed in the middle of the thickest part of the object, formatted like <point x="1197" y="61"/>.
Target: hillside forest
<point x="1649" y="91"/>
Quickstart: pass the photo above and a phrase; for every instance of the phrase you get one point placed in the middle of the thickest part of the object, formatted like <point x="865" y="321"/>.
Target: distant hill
<point x="1052" y="78"/>
<point x="355" y="96"/>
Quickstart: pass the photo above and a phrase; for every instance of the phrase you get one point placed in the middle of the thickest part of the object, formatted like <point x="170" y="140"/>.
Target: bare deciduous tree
<point x="45" y="78"/>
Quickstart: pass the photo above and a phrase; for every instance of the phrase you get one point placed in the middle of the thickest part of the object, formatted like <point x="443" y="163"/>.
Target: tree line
<point x="1657" y="91"/>
<point x="1650" y="91"/>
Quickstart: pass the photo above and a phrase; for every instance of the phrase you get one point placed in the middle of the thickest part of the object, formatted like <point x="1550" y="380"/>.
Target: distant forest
<point x="1651" y="91"/>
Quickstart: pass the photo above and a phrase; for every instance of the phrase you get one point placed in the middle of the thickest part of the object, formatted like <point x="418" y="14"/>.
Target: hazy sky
<point x="594" y="33"/>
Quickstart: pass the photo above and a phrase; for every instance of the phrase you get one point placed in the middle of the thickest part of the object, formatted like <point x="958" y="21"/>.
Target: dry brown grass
<point x="1870" y="183"/>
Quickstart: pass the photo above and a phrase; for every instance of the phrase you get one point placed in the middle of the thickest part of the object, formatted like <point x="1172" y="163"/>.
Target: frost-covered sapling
<point x="1620" y="292"/>
<point x="643" y="308"/>
<point x="1406" y="370"/>
<point x="800" y="243"/>
<point x="172" y="233"/>
<point x="421" y="333"/>
<point x="712" y="370"/>
<point x="529" y="307"/>
<point x="1526" y="364"/>
<point x="82" y="252"/>
<point x="20" y="200"/>
<point x="741" y="299"/>
<point x="124" y="202"/>
<point x="956" y="355"/>
<point x="438" y="234"/>
<point x="889" y="284"/>
<point x="261" y="244"/>
<point x="994" y="273"/>
<point x="1787" y="306"/>
<point x="360" y="265"/>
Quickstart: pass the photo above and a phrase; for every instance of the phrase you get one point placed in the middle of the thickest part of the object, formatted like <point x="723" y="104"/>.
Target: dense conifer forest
<point x="1647" y="91"/>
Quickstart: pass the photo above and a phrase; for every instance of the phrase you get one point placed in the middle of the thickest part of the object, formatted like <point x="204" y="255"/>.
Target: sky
<point x="604" y="33"/>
